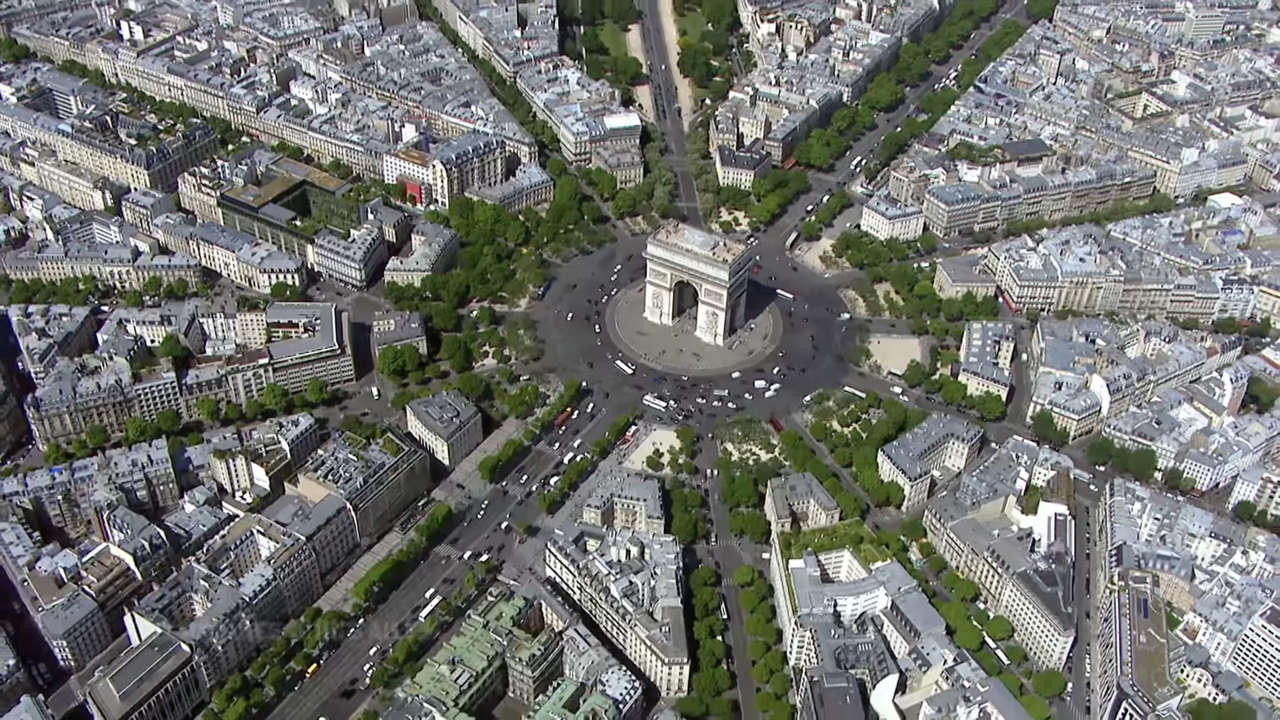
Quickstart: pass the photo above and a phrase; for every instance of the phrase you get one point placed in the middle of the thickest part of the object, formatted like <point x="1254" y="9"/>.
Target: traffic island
<point x="677" y="350"/>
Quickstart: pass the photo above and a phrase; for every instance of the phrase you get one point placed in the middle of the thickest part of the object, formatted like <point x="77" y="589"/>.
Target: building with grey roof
<point x="886" y="219"/>
<point x="206" y="613"/>
<point x="624" y="500"/>
<point x="986" y="358"/>
<point x="587" y="117"/>
<point x="799" y="502"/>
<point x="397" y="327"/>
<point x="631" y="584"/>
<point x="157" y="679"/>
<point x="274" y="568"/>
<point x="378" y="479"/>
<point x="75" y="628"/>
<point x="327" y="525"/>
<point x="64" y="496"/>
<point x="447" y="424"/>
<point x="1023" y="568"/>
<point x="29" y="708"/>
<point x="235" y="255"/>
<point x="48" y="332"/>
<point x="354" y="261"/>
<point x="740" y="168"/>
<point x="193" y="524"/>
<point x="432" y="249"/>
<point x="530" y="186"/>
<point x="941" y="444"/>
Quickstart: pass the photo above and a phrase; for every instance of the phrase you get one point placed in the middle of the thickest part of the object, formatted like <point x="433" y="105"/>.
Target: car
<point x="809" y="208"/>
<point x="374" y="650"/>
<point x="747" y="396"/>
<point x="613" y="277"/>
<point x="555" y="445"/>
<point x="716" y="403"/>
<point x="731" y="405"/>
<point x="568" y="458"/>
<point x="597" y="328"/>
<point x="604" y="298"/>
<point x="480" y="515"/>
<point x="368" y="669"/>
<point x="735" y="374"/>
<point x="613" y="292"/>
<point x="574" y="416"/>
<point x="777" y="369"/>
<point x="568" y="318"/>
<point x="617" y="268"/>
<point x="700" y="400"/>
<point x="524" y="478"/>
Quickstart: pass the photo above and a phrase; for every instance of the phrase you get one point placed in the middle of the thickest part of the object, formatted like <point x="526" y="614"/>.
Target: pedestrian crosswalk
<point x="448" y="551"/>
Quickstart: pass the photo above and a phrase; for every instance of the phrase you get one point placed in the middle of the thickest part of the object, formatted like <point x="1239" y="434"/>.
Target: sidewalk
<point x="338" y="596"/>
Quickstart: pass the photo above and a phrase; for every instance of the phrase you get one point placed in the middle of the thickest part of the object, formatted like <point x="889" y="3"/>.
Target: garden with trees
<point x="768" y="661"/>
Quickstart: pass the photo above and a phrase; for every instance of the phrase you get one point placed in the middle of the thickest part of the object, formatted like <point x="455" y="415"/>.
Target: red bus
<point x="562" y="418"/>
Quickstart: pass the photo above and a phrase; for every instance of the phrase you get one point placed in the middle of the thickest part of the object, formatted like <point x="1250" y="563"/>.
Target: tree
<point x="745" y="575"/>
<point x="1035" y="706"/>
<point x="1100" y="451"/>
<point x="912" y="529"/>
<point x="999" y="628"/>
<point x="967" y="637"/>
<point x="1245" y="510"/>
<point x="1048" y="683"/>
<point x="208" y="410"/>
<point x="152" y="286"/>
<point x="171" y="347"/>
<point x="914" y="375"/>
<point x="398" y="361"/>
<point x="989" y="405"/>
<point x="473" y="386"/>
<point x="691" y="706"/>
<point x="285" y="292"/>
<point x="96" y="436"/>
<point x="1047" y="430"/>
<point x="275" y="397"/>
<point x="168" y="422"/>
<point x="316" y="392"/>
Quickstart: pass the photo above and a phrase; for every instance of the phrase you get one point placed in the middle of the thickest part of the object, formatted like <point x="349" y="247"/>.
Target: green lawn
<point x="691" y="25"/>
<point x="614" y="38"/>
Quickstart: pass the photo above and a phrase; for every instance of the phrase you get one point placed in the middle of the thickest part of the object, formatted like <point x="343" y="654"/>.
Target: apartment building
<point x="447" y="424"/>
<point x="592" y="126"/>
<point x="1257" y="654"/>
<point x="158" y="679"/>
<point x="885" y="219"/>
<point x="78" y="141"/>
<point x="623" y="500"/>
<point x="354" y="261"/>
<point x="941" y="444"/>
<point x="397" y="328"/>
<point x="448" y="169"/>
<point x="530" y="186"/>
<point x="378" y="480"/>
<point x="432" y="249"/>
<point x="230" y="253"/>
<point x="952" y="209"/>
<point x="630" y="584"/>
<point x="276" y="569"/>
<point x="739" y="168"/>
<point x="955" y="276"/>
<point x="46" y="333"/>
<point x="799" y="502"/>
<point x="986" y="358"/>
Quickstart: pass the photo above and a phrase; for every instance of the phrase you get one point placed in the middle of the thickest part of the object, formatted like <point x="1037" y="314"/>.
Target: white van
<point x="735" y="374"/>
<point x="760" y="384"/>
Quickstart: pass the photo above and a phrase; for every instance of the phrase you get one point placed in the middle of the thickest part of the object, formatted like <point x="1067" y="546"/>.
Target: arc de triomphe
<point x="687" y="267"/>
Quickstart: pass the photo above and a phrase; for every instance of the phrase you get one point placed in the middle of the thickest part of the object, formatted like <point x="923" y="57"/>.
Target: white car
<point x="617" y="268"/>
<point x="808" y="208"/>
<point x="524" y="478"/>
<point x="730" y="405"/>
<point x="735" y="374"/>
<point x="577" y="443"/>
<point x="568" y="458"/>
<point x="604" y="299"/>
<point x="568" y="318"/>
<point x="574" y="416"/>
<point x="555" y="445"/>
<point x="597" y="328"/>
<point x="591" y="407"/>
<point x="700" y="400"/>
<point x="716" y="403"/>
<point x="747" y="396"/>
